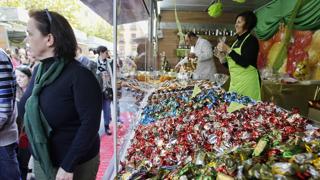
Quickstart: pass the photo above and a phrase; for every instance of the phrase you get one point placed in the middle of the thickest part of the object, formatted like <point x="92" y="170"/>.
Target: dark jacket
<point x="72" y="107"/>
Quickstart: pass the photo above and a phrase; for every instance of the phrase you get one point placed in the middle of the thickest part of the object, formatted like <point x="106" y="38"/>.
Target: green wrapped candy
<point x="185" y="169"/>
<point x="254" y="172"/>
<point x="231" y="165"/>
<point x="287" y="154"/>
<point x="262" y="144"/>
<point x="265" y="172"/>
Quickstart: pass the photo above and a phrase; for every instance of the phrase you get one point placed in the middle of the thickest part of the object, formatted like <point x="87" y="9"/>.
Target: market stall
<point x="185" y="128"/>
<point x="185" y="133"/>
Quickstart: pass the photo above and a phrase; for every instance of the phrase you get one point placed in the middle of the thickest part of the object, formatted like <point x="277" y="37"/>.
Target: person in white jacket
<point x="204" y="53"/>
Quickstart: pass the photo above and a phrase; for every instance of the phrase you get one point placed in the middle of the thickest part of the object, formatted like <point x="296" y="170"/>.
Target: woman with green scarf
<point x="242" y="56"/>
<point x="62" y="104"/>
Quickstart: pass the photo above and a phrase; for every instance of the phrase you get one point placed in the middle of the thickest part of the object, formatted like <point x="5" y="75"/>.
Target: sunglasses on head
<point x="49" y="16"/>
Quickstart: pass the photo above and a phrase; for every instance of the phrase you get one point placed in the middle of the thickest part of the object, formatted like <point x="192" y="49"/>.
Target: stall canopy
<point x="137" y="10"/>
<point x="130" y="10"/>
<point x="202" y="5"/>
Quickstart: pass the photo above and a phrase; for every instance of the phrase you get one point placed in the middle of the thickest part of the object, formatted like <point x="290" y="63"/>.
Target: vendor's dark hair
<point x="191" y="34"/>
<point x="250" y="19"/>
<point x="65" y="43"/>
<point x="25" y="70"/>
<point x="101" y="49"/>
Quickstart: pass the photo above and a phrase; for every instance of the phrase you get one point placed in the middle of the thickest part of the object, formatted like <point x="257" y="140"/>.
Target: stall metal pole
<point x="114" y="86"/>
<point x="150" y="46"/>
<point x="156" y="35"/>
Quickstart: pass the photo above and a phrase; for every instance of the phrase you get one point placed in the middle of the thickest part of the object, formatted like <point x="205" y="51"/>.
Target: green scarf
<point x="36" y="125"/>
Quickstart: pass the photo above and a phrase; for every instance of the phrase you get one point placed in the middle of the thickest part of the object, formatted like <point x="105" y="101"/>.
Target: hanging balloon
<point x="300" y="55"/>
<point x="215" y="10"/>
<point x="301" y="72"/>
<point x="303" y="38"/>
<point x="314" y="50"/>
<point x="280" y="34"/>
<point x="316" y="72"/>
<point x="291" y="65"/>
<point x="264" y="46"/>
<point x="296" y="54"/>
<point x="314" y="56"/>
<point x="262" y="61"/>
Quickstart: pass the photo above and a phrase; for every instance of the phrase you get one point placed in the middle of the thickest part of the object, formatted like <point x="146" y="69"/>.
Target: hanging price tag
<point x="234" y="106"/>
<point x="196" y="91"/>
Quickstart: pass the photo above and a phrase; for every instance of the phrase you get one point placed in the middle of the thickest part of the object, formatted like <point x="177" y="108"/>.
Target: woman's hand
<point x="220" y="55"/>
<point x="64" y="175"/>
<point x="222" y="47"/>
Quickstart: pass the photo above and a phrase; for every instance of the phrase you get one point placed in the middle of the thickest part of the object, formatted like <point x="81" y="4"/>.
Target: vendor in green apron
<point x="242" y="56"/>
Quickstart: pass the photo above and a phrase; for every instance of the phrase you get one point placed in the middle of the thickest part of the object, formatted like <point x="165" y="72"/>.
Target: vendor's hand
<point x="177" y="67"/>
<point x="191" y="55"/>
<point x="222" y="47"/>
<point x="220" y="55"/>
<point x="64" y="175"/>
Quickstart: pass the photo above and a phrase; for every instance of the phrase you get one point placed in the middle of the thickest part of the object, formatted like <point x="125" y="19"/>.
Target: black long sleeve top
<point x="72" y="106"/>
<point x="249" y="51"/>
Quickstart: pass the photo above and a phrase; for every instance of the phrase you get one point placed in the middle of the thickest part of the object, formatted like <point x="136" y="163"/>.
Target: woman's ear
<point x="50" y="40"/>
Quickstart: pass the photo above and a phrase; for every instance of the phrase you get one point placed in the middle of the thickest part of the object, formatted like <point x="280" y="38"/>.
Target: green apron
<point x="244" y="81"/>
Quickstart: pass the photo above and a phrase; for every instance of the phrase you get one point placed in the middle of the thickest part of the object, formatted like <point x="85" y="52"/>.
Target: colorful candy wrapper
<point x="302" y="158"/>
<point x="222" y="176"/>
<point x="260" y="147"/>
<point x="283" y="168"/>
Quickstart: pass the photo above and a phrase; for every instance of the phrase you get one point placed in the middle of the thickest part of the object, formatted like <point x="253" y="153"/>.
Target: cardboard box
<point x="314" y="114"/>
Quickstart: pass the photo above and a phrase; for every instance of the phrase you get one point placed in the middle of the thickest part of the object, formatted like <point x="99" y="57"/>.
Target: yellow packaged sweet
<point x="316" y="162"/>
<point x="316" y="72"/>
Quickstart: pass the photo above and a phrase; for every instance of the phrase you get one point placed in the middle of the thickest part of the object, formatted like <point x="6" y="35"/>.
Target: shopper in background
<point x="32" y="61"/>
<point x="23" y="57"/>
<point x="15" y="60"/>
<point x="104" y="70"/>
<point x="203" y="52"/>
<point x="89" y="64"/>
<point x="9" y="167"/>
<point x="23" y="76"/>
<point x="140" y="60"/>
<point x="83" y="59"/>
<point x="242" y="57"/>
<point x="62" y="103"/>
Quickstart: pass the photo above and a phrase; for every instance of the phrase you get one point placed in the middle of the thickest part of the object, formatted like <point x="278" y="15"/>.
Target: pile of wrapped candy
<point x="136" y="88"/>
<point x="294" y="159"/>
<point x="196" y="137"/>
<point x="173" y="100"/>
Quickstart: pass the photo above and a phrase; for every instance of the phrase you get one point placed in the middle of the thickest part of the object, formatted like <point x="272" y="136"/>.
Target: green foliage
<point x="100" y="29"/>
<point x="70" y="9"/>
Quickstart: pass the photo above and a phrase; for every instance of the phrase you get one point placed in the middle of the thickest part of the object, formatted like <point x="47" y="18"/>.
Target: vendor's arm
<point x="249" y="53"/>
<point x="88" y="102"/>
